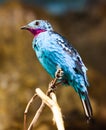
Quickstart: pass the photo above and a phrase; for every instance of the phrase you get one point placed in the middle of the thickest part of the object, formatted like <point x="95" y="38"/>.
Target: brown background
<point x="21" y="73"/>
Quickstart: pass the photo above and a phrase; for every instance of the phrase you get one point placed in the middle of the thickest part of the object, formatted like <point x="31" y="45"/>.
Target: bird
<point x="55" y="51"/>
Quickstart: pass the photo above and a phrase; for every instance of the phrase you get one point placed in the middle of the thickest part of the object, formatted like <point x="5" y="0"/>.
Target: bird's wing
<point x="67" y="47"/>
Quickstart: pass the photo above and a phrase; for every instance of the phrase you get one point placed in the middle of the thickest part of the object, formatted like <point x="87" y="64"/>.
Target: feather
<point x="53" y="50"/>
<point x="86" y="105"/>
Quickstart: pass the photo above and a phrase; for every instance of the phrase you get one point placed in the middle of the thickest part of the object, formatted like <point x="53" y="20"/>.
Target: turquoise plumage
<point x="54" y="51"/>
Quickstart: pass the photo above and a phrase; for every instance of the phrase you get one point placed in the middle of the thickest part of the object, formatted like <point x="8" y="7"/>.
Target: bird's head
<point x="38" y="26"/>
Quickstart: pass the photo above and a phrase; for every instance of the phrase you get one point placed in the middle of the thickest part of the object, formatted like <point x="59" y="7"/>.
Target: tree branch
<point x="38" y="113"/>
<point x="48" y="99"/>
<point x="53" y="105"/>
<point x="27" y="108"/>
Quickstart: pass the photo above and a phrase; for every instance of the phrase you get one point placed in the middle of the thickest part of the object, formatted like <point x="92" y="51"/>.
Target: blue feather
<point x="51" y="54"/>
<point x="53" y="51"/>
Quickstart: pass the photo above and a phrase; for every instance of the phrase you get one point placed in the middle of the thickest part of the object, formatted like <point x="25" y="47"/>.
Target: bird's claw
<point x="53" y="83"/>
<point x="59" y="74"/>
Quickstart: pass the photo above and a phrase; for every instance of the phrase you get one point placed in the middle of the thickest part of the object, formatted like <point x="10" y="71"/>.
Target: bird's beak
<point x="26" y="27"/>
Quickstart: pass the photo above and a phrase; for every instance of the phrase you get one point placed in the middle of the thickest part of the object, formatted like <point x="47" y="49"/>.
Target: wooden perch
<point x="52" y="104"/>
<point x="35" y="119"/>
<point x="48" y="99"/>
<point x="27" y="108"/>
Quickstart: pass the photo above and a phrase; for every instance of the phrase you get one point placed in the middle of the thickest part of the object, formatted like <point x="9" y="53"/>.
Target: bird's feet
<point x="57" y="80"/>
<point x="59" y="74"/>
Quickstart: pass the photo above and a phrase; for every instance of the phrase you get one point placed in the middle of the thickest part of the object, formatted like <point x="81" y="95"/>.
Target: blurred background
<point x="83" y="23"/>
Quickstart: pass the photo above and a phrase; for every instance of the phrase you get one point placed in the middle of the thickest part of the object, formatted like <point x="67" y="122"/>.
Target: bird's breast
<point x="45" y="56"/>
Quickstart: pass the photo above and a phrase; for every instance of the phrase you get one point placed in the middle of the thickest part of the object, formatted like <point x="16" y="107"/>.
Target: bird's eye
<point x="37" y="23"/>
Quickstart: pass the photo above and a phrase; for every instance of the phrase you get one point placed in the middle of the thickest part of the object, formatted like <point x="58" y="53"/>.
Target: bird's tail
<point x="86" y="105"/>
